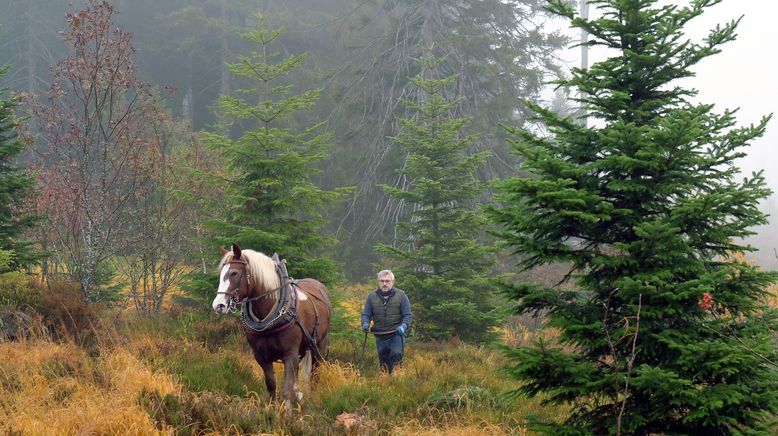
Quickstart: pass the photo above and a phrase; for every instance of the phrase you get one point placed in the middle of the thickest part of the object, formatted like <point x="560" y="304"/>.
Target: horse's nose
<point x="220" y="308"/>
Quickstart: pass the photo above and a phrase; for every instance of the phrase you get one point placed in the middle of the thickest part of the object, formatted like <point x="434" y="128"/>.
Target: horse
<point x="284" y="319"/>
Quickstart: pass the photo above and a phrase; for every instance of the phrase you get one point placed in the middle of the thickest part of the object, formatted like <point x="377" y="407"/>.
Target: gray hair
<point x="385" y="273"/>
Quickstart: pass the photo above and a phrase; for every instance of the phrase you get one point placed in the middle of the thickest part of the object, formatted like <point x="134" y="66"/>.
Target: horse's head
<point x="234" y="281"/>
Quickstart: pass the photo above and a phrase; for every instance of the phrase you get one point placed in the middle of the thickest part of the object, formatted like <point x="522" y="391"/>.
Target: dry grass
<point x="194" y="374"/>
<point x="419" y="428"/>
<point x="125" y="387"/>
<point x="47" y="386"/>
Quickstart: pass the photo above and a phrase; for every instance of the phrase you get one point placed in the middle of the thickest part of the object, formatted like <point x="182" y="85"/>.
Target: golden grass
<point x="48" y="387"/>
<point x="120" y="382"/>
<point x="330" y="376"/>
<point x="419" y="428"/>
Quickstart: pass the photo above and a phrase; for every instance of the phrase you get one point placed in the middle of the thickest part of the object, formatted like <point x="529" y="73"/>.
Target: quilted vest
<point x="387" y="315"/>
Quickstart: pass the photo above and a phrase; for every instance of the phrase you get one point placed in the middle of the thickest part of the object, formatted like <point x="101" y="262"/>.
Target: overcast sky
<point x="744" y="75"/>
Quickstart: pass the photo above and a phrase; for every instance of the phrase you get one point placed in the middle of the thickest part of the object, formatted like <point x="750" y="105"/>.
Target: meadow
<point x="95" y="370"/>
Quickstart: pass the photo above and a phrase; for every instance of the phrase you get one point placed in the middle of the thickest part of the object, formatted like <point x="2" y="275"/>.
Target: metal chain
<point x="270" y="325"/>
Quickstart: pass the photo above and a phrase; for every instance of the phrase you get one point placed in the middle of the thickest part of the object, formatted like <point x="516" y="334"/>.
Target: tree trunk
<point x="226" y="86"/>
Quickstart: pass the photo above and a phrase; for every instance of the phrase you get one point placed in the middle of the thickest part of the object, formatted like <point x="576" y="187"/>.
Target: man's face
<point x="385" y="283"/>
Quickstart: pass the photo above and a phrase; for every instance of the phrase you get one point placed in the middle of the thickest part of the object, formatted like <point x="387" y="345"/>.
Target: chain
<point x="271" y="324"/>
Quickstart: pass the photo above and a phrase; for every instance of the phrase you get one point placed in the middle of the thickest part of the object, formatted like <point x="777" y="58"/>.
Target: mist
<point x="189" y="54"/>
<point x="740" y="77"/>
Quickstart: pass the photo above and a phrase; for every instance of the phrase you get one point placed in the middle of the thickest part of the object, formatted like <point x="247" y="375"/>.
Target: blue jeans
<point x="390" y="350"/>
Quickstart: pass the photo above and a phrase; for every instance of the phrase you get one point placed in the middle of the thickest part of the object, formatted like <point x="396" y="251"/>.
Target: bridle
<point x="234" y="301"/>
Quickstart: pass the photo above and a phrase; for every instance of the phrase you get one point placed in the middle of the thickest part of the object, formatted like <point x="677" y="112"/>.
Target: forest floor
<point x="193" y="373"/>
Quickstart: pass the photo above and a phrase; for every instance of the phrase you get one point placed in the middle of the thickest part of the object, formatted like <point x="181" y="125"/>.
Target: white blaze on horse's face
<point x="221" y="303"/>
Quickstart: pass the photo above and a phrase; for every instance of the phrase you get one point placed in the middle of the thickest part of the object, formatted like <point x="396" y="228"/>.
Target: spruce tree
<point x="15" y="187"/>
<point x="666" y="330"/>
<point x="441" y="263"/>
<point x="272" y="204"/>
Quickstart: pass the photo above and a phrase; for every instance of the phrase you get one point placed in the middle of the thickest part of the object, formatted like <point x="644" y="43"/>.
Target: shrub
<point x="17" y="292"/>
<point x="65" y="312"/>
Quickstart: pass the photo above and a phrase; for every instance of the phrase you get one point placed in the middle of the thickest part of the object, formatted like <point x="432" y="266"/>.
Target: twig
<point x="629" y="365"/>
<point x="633" y="353"/>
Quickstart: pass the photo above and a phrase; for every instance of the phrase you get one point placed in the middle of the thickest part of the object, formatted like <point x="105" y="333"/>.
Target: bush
<point x="66" y="314"/>
<point x="17" y="292"/>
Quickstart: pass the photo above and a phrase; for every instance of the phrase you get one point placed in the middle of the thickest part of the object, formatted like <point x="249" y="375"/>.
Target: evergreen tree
<point x="15" y="187"/>
<point x="667" y="331"/>
<point x="442" y="266"/>
<point x="273" y="206"/>
<point x="499" y="50"/>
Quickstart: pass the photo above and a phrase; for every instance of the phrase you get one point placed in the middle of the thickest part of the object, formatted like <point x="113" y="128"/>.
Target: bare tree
<point x="159" y="244"/>
<point x="92" y="144"/>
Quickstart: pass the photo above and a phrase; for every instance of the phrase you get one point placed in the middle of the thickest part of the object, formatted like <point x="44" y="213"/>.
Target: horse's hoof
<point x="299" y="396"/>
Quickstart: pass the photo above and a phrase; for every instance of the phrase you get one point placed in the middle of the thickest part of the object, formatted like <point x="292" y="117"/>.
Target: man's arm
<point x="405" y="310"/>
<point x="367" y="312"/>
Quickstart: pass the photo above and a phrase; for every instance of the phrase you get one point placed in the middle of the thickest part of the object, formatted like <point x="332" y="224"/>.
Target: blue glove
<point x="366" y="326"/>
<point x="401" y="329"/>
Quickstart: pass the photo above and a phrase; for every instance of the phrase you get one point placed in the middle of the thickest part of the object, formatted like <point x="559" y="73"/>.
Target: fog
<point x="177" y="49"/>
<point x="741" y="76"/>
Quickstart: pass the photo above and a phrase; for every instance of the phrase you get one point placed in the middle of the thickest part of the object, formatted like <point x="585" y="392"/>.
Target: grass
<point x="195" y="375"/>
<point x="90" y="371"/>
<point x="98" y="371"/>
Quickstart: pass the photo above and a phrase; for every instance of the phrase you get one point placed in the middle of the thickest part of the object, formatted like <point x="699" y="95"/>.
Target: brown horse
<point x="285" y="320"/>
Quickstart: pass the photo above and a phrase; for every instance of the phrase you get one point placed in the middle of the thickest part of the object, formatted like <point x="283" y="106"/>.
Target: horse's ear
<point x="223" y="250"/>
<point x="236" y="251"/>
<point x="276" y="258"/>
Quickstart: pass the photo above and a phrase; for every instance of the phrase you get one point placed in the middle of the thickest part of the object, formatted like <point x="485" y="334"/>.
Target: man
<point x="390" y="311"/>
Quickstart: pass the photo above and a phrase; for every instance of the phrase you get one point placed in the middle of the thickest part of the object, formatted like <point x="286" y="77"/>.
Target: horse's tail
<point x="306" y="364"/>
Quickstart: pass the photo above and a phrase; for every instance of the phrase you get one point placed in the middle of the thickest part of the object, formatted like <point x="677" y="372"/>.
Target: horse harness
<point x="284" y="313"/>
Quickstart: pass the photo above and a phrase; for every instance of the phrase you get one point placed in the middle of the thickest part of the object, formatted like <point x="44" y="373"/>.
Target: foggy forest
<point x="581" y="249"/>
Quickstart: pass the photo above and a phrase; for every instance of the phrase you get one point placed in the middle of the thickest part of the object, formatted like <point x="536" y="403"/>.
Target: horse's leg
<point x="270" y="378"/>
<point x="291" y="366"/>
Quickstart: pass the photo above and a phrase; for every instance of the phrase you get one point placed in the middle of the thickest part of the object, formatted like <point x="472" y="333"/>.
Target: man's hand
<point x="366" y="327"/>
<point x="401" y="329"/>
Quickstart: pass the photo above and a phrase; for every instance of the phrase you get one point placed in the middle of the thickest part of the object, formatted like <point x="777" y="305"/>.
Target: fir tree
<point x="15" y="186"/>
<point x="666" y="331"/>
<point x="442" y="266"/>
<point x="272" y="203"/>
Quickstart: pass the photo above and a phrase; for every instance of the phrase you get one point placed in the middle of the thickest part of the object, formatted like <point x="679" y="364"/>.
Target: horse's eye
<point x="233" y="273"/>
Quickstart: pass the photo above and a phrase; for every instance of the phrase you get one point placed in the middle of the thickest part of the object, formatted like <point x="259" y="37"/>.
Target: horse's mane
<point x="261" y="267"/>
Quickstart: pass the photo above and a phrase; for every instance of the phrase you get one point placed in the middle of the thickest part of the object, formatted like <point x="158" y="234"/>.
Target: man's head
<point x="385" y="280"/>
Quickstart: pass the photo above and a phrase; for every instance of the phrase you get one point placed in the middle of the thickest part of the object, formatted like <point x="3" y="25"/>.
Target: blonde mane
<point x="262" y="270"/>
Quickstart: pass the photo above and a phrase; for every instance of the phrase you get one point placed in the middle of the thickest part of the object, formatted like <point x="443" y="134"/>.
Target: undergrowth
<point x="195" y="375"/>
<point x="96" y="370"/>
